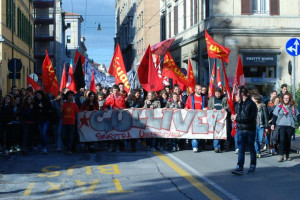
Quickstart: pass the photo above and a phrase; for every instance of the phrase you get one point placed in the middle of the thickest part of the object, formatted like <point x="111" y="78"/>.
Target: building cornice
<point x="9" y="43"/>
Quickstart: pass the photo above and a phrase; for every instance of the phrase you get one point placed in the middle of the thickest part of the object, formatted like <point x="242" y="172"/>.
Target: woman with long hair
<point x="284" y="117"/>
<point x="42" y="109"/>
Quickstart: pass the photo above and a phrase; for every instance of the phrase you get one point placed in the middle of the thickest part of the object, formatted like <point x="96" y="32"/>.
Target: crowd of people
<point x="29" y="119"/>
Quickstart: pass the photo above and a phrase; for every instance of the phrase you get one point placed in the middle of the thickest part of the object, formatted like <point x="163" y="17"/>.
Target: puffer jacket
<point x="246" y="115"/>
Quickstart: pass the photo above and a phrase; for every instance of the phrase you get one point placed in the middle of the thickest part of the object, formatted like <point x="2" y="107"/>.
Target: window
<point x="68" y="25"/>
<point x="8" y="13"/>
<point x="170" y="25"/>
<point x="68" y="39"/>
<point x="260" y="6"/>
<point x="184" y="14"/>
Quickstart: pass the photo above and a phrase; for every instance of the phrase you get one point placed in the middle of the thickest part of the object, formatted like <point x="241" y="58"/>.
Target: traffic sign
<point x="11" y="65"/>
<point x="293" y="47"/>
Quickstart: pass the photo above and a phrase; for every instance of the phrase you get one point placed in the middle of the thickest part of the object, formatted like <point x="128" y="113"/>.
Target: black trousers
<point x="285" y="134"/>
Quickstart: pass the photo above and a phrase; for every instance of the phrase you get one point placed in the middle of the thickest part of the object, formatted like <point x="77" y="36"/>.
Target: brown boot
<point x="280" y="159"/>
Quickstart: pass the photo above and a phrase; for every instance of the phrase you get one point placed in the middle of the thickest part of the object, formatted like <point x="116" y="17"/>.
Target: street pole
<point x="294" y="78"/>
<point x="15" y="73"/>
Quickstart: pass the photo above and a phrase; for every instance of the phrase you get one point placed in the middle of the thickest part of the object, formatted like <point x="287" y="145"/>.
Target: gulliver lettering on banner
<point x="151" y="123"/>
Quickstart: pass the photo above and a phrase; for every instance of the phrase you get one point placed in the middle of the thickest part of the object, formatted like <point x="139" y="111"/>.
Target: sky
<point x="100" y="44"/>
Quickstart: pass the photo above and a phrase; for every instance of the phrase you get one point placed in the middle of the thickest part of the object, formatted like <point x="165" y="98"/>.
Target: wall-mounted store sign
<point x="259" y="59"/>
<point x="260" y="80"/>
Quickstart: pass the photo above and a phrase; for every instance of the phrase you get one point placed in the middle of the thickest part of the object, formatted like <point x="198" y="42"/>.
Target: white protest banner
<point x="151" y="123"/>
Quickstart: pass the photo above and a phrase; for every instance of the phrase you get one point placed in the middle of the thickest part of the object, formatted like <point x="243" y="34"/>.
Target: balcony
<point x="43" y="3"/>
<point x="44" y="38"/>
<point x="44" y="20"/>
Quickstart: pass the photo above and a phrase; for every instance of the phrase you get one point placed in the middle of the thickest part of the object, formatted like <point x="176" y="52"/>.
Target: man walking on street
<point x="246" y="113"/>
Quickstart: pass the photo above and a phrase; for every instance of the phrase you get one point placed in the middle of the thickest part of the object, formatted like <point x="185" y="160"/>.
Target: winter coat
<point x="246" y="112"/>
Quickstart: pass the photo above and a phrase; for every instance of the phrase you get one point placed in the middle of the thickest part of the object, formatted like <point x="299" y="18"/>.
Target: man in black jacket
<point x="246" y="113"/>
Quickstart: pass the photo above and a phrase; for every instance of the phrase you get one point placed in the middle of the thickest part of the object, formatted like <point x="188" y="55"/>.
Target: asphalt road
<point x="145" y="175"/>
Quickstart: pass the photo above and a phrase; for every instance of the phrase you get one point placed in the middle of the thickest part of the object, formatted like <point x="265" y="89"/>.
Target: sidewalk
<point x="295" y="145"/>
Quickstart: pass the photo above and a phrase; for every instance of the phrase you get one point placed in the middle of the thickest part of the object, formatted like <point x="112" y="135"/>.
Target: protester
<point x="168" y="89"/>
<point x="283" y="90"/>
<point x="90" y="104"/>
<point x="284" y="117"/>
<point x="273" y="94"/>
<point x="218" y="102"/>
<point x="42" y="108"/>
<point x="262" y="124"/>
<point x="122" y="90"/>
<point x="69" y="110"/>
<point x="271" y="106"/>
<point x="56" y="124"/>
<point x="98" y="88"/>
<point x="236" y="140"/>
<point x="114" y="101"/>
<point x="152" y="102"/>
<point x="134" y="101"/>
<point x="101" y="100"/>
<point x="175" y="103"/>
<point x="246" y="113"/>
<point x="28" y="123"/>
<point x="163" y="98"/>
<point x="197" y="101"/>
<point x="6" y="115"/>
<point x="15" y="136"/>
<point x="182" y="97"/>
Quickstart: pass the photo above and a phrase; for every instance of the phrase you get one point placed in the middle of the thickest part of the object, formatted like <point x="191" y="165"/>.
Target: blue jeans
<point x="43" y="128"/>
<point x="246" y="137"/>
<point x="194" y="143"/>
<point x="68" y="133"/>
<point x="217" y="144"/>
<point x="236" y="140"/>
<point x="258" y="138"/>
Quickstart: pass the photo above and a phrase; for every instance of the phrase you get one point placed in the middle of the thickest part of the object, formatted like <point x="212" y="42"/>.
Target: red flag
<point x="191" y="77"/>
<point x="239" y="78"/>
<point x="147" y="73"/>
<point x="157" y="65"/>
<point x="82" y="58"/>
<point x="33" y="84"/>
<point x="71" y="82"/>
<point x="93" y="86"/>
<point x="162" y="47"/>
<point x="211" y="89"/>
<point x="171" y="70"/>
<point x="48" y="76"/>
<point x="63" y="81"/>
<point x="215" y="50"/>
<point x="219" y="82"/>
<point x="229" y="100"/>
<point x="118" y="70"/>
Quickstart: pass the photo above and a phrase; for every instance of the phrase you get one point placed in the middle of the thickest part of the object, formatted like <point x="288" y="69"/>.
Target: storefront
<point x="261" y="69"/>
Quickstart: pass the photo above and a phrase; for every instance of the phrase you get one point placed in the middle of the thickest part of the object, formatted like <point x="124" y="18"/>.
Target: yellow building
<point x="16" y="40"/>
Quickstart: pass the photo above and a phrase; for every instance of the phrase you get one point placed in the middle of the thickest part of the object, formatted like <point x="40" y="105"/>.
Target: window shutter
<point x="191" y="12"/>
<point x="274" y="7"/>
<point x="175" y="20"/>
<point x="246" y="7"/>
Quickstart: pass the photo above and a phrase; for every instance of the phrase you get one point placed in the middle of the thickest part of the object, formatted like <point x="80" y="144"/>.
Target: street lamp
<point x="99" y="27"/>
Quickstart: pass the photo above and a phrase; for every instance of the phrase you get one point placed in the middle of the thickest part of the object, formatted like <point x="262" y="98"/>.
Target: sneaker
<point x="280" y="159"/>
<point x="174" y="149"/>
<point x="177" y="147"/>
<point x="187" y="141"/>
<point x="236" y="151"/>
<point x="153" y="149"/>
<point x="44" y="151"/>
<point x="11" y="149"/>
<point x="217" y="150"/>
<point x="238" y="171"/>
<point x="258" y="155"/>
<point x="69" y="153"/>
<point x="273" y="151"/>
<point x="251" y="170"/>
<point x="265" y="147"/>
<point x="18" y="148"/>
<point x="195" y="150"/>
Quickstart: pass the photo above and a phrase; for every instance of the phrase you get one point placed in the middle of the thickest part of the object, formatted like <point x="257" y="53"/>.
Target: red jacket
<point x="114" y="102"/>
<point x="189" y="103"/>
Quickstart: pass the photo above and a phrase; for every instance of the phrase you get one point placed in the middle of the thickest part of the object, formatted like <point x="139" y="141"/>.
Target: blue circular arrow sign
<point x="292" y="47"/>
